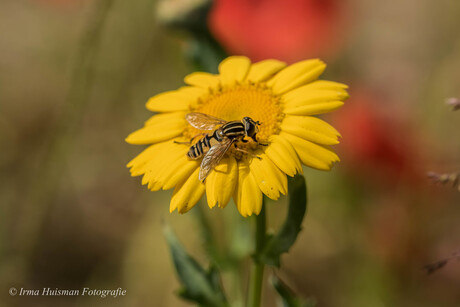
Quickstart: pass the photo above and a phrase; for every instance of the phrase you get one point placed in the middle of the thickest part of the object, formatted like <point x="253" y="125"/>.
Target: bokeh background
<point x="74" y="77"/>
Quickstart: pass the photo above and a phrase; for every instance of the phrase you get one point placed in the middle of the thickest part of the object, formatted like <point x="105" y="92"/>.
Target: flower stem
<point x="257" y="269"/>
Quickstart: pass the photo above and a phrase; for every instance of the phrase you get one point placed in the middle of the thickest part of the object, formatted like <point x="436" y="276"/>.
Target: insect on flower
<point x="214" y="146"/>
<point x="236" y="111"/>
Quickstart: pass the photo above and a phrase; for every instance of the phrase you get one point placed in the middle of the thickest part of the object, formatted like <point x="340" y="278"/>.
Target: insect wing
<point x="213" y="157"/>
<point x="203" y="121"/>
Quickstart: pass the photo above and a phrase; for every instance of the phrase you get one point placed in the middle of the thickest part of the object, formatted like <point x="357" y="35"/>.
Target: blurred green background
<point x="74" y="78"/>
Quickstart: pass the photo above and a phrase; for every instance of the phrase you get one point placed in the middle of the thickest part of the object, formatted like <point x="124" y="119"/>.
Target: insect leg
<point x="247" y="152"/>
<point x="255" y="140"/>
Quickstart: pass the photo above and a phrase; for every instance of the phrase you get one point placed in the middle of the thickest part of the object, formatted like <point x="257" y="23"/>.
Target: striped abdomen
<point x="201" y="147"/>
<point x="230" y="130"/>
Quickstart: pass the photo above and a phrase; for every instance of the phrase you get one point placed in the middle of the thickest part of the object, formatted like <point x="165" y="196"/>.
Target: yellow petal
<point x="178" y="171"/>
<point x="155" y="154"/>
<point x="234" y="69"/>
<point x="179" y="100"/>
<point x="159" y="132"/>
<point x="150" y="181"/>
<point x="326" y="85"/>
<point x="187" y="194"/>
<point x="164" y="118"/>
<point x="270" y="179"/>
<point x="311" y="154"/>
<point x="203" y="79"/>
<point x="307" y="95"/>
<point x="281" y="152"/>
<point x="155" y="186"/>
<point x="264" y="70"/>
<point x="168" y="158"/>
<point x="310" y="128"/>
<point x="221" y="182"/>
<point x="296" y="75"/>
<point x="313" y="109"/>
<point x="137" y="164"/>
<point x="247" y="195"/>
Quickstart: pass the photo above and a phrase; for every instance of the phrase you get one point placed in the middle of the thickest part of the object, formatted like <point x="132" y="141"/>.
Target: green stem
<point x="257" y="269"/>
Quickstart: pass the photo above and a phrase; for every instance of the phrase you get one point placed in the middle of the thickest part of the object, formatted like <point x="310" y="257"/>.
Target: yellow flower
<point x="282" y="98"/>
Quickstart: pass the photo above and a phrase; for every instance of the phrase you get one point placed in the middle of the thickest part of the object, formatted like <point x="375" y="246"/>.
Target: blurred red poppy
<point x="288" y="30"/>
<point x="374" y="142"/>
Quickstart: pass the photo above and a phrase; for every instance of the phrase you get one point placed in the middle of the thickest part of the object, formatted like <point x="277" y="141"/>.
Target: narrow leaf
<point x="288" y="297"/>
<point x="282" y="241"/>
<point x="199" y="285"/>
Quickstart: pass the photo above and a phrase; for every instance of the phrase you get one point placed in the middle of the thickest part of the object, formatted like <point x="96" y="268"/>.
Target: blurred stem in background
<point x="40" y="197"/>
<point x="257" y="269"/>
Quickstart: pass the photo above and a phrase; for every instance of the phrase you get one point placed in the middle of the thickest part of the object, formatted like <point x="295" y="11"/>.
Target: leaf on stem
<point x="286" y="236"/>
<point x="288" y="297"/>
<point x="199" y="285"/>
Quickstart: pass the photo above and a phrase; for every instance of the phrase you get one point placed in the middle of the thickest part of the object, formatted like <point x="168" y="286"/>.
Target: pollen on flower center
<point x="238" y="101"/>
<point x="281" y="99"/>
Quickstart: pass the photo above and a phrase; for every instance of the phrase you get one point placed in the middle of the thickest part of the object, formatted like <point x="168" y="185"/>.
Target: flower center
<point x="245" y="100"/>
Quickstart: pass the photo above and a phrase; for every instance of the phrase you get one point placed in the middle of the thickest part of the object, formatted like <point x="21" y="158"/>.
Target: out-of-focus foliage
<point x="288" y="298"/>
<point x="200" y="286"/>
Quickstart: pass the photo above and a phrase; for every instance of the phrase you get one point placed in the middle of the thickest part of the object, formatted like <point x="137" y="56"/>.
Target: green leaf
<point x="199" y="285"/>
<point x="205" y="53"/>
<point x="287" y="295"/>
<point x="282" y="241"/>
<point x="202" y="49"/>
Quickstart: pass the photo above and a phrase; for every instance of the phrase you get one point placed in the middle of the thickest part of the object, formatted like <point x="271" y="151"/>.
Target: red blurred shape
<point x="288" y="30"/>
<point x="375" y="143"/>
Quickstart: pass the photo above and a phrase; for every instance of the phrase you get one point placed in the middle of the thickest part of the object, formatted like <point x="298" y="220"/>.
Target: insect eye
<point x="247" y="125"/>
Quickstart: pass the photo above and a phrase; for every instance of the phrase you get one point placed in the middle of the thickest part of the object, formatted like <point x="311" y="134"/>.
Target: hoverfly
<point x="214" y="146"/>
